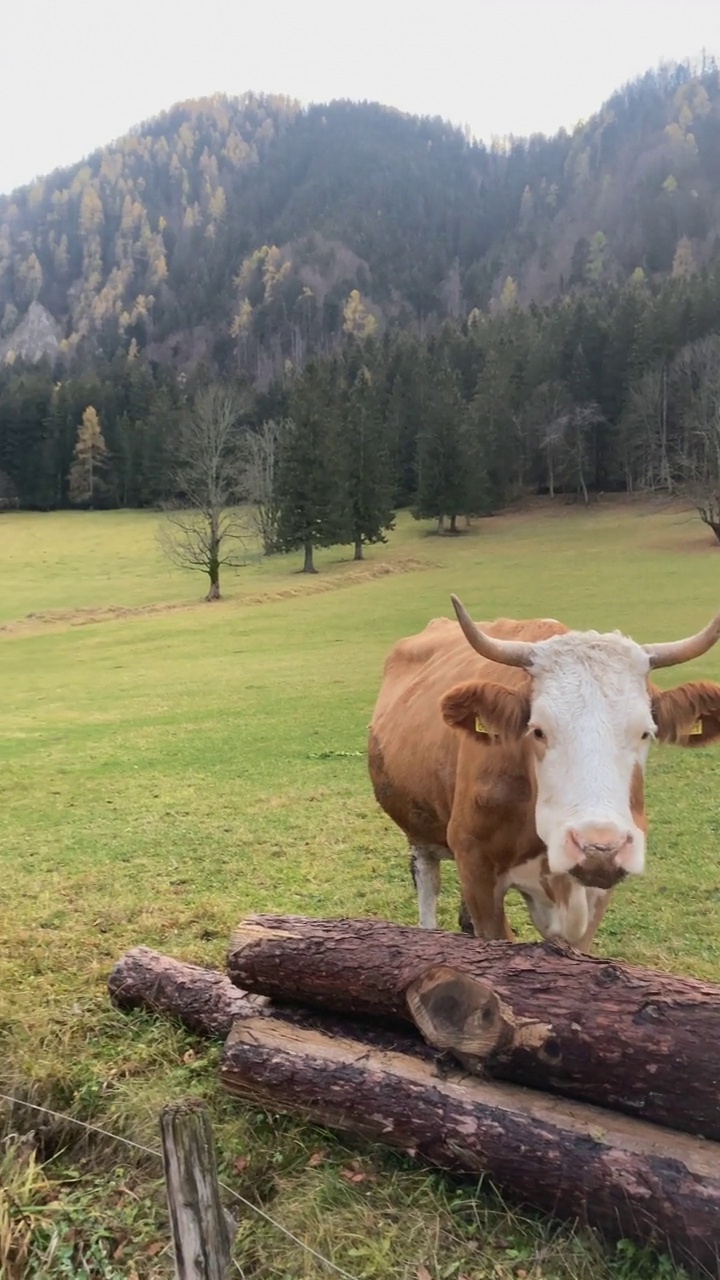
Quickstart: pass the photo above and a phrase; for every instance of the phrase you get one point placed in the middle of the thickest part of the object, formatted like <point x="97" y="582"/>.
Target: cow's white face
<point x="590" y="729"/>
<point x="587" y="716"/>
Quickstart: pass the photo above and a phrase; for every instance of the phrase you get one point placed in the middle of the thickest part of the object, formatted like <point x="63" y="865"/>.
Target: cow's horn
<point x="513" y="653"/>
<point x="677" y="651"/>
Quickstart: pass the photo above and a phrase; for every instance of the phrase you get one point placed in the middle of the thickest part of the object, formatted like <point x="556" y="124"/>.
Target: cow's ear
<point x="688" y="715"/>
<point x="460" y="709"/>
<point x="487" y="710"/>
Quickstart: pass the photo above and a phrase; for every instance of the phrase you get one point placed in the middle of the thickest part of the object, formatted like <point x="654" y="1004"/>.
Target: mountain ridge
<point x="250" y="232"/>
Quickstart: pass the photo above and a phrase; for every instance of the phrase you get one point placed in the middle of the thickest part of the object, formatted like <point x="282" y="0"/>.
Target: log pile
<point x="581" y="1087"/>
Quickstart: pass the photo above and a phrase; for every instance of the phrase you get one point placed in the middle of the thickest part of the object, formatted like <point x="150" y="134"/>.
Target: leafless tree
<point x="546" y="419"/>
<point x="203" y="528"/>
<point x="698" y="366"/>
<point x="566" y="443"/>
<point x="8" y="493"/>
<point x="644" y="433"/>
<point x="261" y="449"/>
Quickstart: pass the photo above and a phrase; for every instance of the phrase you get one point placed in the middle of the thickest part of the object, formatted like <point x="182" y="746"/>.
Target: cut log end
<point x="454" y="1011"/>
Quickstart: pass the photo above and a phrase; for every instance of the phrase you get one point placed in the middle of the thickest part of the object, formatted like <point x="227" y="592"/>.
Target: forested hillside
<point x="523" y="312"/>
<point x="236" y="229"/>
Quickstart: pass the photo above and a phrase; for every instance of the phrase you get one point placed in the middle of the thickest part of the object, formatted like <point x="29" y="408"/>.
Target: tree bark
<point x="358" y="549"/>
<point x="214" y="563"/>
<point x="715" y="528"/>
<point x="308" y="564"/>
<point x="631" y="1039"/>
<point x="622" y="1176"/>
<point x="208" y="1003"/>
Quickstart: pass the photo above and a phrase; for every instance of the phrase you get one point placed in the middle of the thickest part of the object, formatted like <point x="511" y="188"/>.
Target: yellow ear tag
<point x="696" y="729"/>
<point x="479" y="726"/>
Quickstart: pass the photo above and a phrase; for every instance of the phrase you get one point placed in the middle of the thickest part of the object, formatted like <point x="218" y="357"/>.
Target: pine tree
<point x="407" y="393"/>
<point x="369" y="456"/>
<point x="447" y="463"/>
<point x="90" y="458"/>
<point x="311" y="485"/>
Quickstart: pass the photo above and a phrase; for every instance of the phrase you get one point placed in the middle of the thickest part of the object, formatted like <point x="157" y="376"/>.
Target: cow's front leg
<point x="425" y="871"/>
<point x="598" y="901"/>
<point x="482" y="895"/>
<point x="464" y="918"/>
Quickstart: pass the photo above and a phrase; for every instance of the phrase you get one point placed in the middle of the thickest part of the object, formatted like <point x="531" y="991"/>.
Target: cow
<point x="518" y="748"/>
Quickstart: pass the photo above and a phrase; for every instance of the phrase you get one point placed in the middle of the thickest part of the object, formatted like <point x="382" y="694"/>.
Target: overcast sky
<point x="74" y="74"/>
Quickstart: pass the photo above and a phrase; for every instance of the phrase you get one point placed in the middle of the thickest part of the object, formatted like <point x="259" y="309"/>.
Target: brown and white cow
<point x="522" y="755"/>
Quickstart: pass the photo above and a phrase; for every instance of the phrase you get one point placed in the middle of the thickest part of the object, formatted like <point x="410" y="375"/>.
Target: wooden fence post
<point x="202" y="1231"/>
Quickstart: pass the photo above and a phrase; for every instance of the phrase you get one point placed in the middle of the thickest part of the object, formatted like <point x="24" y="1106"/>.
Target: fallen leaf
<point x="240" y="1163"/>
<point x="316" y="1158"/>
<point x="423" y="1274"/>
<point x="157" y="1247"/>
<point x="350" y="1175"/>
<point x="188" y="1056"/>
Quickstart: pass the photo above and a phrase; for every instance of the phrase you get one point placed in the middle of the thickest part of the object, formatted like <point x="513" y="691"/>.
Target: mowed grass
<point x="162" y="773"/>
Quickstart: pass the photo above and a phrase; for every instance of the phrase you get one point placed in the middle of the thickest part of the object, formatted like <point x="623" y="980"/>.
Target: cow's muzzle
<point x="601" y="856"/>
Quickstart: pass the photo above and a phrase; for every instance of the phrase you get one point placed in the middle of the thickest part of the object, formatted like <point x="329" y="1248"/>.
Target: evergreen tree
<point x="24" y="403"/>
<point x="407" y="392"/>
<point x="159" y="432"/>
<point x="447" y="464"/>
<point x="311" y="495"/>
<point x="86" y="480"/>
<point x="368" y="453"/>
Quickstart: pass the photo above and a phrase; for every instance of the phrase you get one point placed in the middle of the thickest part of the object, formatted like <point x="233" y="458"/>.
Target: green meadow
<point x="167" y="766"/>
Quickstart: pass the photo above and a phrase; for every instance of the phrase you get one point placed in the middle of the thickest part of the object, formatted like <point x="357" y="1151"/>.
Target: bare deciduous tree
<point x="545" y="422"/>
<point x="644" y="433"/>
<point x="698" y="366"/>
<point x="203" y="528"/>
<point x="261" y="455"/>
<point x="566" y="443"/>
<point x="8" y="493"/>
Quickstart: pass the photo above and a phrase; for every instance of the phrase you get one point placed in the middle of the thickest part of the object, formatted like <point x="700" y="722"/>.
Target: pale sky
<point x="75" y="74"/>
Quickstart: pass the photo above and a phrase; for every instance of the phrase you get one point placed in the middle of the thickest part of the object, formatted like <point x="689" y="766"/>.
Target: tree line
<point x="610" y="388"/>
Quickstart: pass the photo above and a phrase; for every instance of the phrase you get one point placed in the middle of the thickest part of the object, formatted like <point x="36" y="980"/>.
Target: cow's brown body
<point x="455" y="796"/>
<point x="483" y="736"/>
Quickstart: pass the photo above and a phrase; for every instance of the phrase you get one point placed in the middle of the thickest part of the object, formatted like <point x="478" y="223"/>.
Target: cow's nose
<point x="610" y="842"/>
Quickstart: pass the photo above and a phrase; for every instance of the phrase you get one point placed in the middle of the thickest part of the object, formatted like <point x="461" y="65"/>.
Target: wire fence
<point x="152" y="1151"/>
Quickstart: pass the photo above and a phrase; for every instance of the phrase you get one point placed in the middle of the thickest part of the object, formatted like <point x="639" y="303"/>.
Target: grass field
<point x="166" y="766"/>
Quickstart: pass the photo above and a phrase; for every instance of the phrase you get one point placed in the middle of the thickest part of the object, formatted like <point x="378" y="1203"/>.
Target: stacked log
<point x="526" y="1063"/>
<point x="208" y="1003"/>
<point x="623" y="1177"/>
<point x="631" y="1039"/>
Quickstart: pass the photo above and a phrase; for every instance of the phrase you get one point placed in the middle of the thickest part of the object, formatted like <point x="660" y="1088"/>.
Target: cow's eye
<point x="539" y="734"/>
<point x="647" y="734"/>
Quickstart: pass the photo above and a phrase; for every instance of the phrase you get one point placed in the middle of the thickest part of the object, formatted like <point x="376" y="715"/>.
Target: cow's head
<point x="589" y="714"/>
